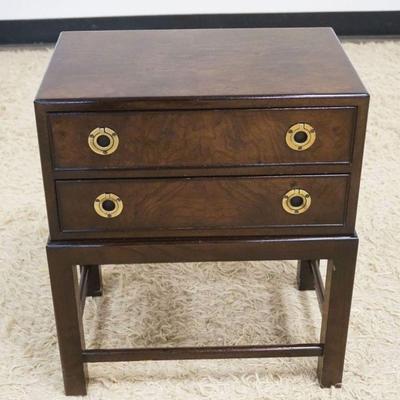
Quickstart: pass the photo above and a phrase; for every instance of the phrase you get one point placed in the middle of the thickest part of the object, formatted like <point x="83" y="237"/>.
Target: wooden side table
<point x="201" y="145"/>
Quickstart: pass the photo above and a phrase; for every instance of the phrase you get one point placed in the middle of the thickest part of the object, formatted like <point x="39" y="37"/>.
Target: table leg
<point x="65" y="290"/>
<point x="95" y="283"/>
<point x="335" y="315"/>
<point x="305" y="276"/>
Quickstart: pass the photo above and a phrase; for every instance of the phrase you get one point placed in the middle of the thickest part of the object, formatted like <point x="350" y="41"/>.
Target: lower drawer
<point x="261" y="205"/>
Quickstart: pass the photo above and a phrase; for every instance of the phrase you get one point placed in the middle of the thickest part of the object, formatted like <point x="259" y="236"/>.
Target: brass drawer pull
<point x="103" y="141"/>
<point x="108" y="205"/>
<point x="300" y="136"/>
<point x="296" y="201"/>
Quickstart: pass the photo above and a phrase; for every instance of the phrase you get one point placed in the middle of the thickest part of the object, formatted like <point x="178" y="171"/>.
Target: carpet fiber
<point x="201" y="303"/>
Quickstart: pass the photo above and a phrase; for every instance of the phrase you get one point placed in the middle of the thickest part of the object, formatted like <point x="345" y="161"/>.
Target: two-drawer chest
<point x="201" y="145"/>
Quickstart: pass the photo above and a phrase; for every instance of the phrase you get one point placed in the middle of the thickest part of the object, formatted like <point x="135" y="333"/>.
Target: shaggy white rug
<point x="204" y="303"/>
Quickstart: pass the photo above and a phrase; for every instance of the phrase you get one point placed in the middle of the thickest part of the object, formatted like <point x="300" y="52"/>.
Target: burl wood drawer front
<point x="201" y="139"/>
<point x="180" y="207"/>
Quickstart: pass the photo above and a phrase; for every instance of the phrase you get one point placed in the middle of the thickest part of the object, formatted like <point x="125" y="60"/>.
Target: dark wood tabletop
<point x="207" y="63"/>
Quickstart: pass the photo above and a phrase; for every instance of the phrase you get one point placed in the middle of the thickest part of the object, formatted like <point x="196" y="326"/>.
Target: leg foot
<point x="65" y="290"/>
<point x="305" y="276"/>
<point x="335" y="315"/>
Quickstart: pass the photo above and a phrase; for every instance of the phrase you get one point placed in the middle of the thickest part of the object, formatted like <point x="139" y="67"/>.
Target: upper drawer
<point x="202" y="139"/>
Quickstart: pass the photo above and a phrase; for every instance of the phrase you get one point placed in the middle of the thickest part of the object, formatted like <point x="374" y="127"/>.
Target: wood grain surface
<point x="184" y="207"/>
<point x="201" y="139"/>
<point x="198" y="63"/>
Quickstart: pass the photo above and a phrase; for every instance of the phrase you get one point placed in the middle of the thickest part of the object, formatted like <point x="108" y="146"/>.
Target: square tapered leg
<point x="65" y="290"/>
<point x="305" y="276"/>
<point x="95" y="283"/>
<point x="335" y="315"/>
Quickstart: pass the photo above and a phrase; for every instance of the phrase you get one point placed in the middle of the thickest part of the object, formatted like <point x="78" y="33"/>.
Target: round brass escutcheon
<point x="296" y="201"/>
<point x="103" y="141"/>
<point x="108" y="205"/>
<point x="300" y="136"/>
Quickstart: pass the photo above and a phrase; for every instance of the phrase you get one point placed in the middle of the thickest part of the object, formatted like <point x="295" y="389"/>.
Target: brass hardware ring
<point x="300" y="136"/>
<point x="103" y="141"/>
<point x="296" y="201"/>
<point x="108" y="205"/>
